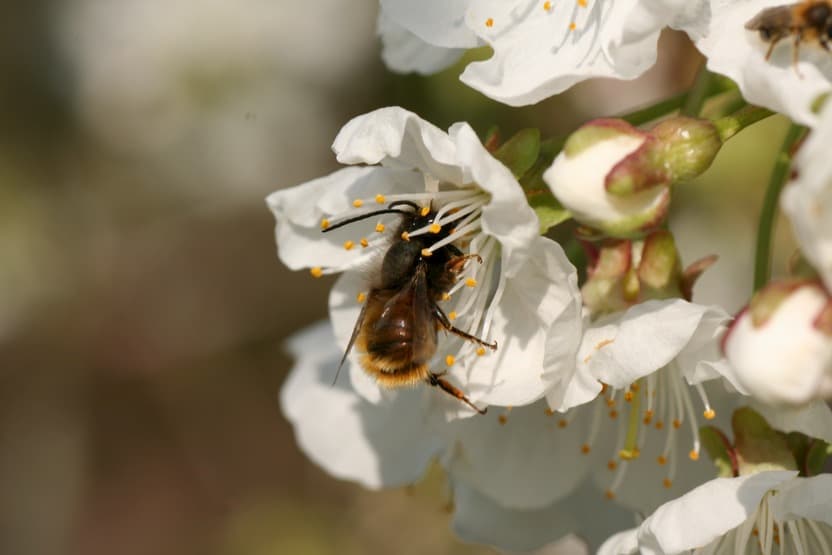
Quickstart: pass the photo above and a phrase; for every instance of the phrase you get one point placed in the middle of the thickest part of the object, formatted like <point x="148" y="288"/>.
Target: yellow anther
<point x="427" y="252"/>
<point x="709" y="414"/>
<point x="585" y="449"/>
<point x="364" y="242"/>
<point x="380" y="198"/>
<point x="610" y="402"/>
<point x="348" y="245"/>
<point x="489" y="22"/>
<point x="316" y="271"/>
<point x="547" y="6"/>
<point x="379" y="227"/>
<point x="471" y="282"/>
<point x="648" y="416"/>
<point x="612" y="465"/>
<point x="562" y="423"/>
<point x="361" y="297"/>
<point x="324" y="223"/>
<point x="609" y="494"/>
<point x="582" y="3"/>
<point x="604" y="388"/>
<point x="634" y="386"/>
<point x="677" y="423"/>
<point x="405" y="236"/>
<point x="424" y="211"/>
<point x="662" y="460"/>
<point x="548" y="412"/>
<point x="446" y="297"/>
<point x="572" y="26"/>
<point x="358" y="203"/>
<point x="659" y="424"/>
<point x="694" y="455"/>
<point x="667" y="483"/>
<point x="628" y="396"/>
<point x="435" y="228"/>
<point x="502" y="419"/>
<point x="449" y="360"/>
<point x="480" y="351"/>
<point x="452" y="315"/>
<point x="613" y="414"/>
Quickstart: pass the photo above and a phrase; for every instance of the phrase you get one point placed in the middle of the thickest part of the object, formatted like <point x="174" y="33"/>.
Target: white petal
<point x="808" y="199"/>
<point x="508" y="216"/>
<point x="740" y="54"/>
<point x="536" y="54"/>
<point x="404" y="52"/>
<point x="622" y="543"/>
<point x="642" y="340"/>
<point x="814" y="419"/>
<point x="479" y="519"/>
<point x="397" y="138"/>
<point x="532" y="302"/>
<point x="300" y="209"/>
<point x="512" y="463"/>
<point x="809" y="498"/>
<point x="786" y="360"/>
<point x="436" y="22"/>
<point x="716" y="507"/>
<point x="375" y="445"/>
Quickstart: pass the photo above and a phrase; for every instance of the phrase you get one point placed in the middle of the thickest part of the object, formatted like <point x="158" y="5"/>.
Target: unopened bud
<point x="780" y="346"/>
<point x="616" y="178"/>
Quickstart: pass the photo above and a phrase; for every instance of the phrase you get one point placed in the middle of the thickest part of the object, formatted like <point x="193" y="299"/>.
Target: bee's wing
<point x="354" y="335"/>
<point x="424" y="321"/>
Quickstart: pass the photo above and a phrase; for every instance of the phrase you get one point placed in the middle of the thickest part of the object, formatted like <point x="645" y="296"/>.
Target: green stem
<point x="765" y="229"/>
<point x="729" y="126"/>
<point x="698" y="93"/>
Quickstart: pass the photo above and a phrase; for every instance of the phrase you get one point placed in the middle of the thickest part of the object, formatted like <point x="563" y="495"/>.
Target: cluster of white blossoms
<point x="601" y="396"/>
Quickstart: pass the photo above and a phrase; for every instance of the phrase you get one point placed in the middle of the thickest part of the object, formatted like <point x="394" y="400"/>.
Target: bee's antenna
<point x="389" y="210"/>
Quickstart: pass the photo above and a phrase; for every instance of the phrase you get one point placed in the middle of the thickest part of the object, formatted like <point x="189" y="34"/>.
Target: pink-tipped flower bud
<point x="616" y="178"/>
<point x="780" y="345"/>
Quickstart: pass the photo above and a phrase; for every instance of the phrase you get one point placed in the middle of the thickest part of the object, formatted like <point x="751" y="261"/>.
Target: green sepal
<point x="816" y="455"/>
<point x="759" y="447"/>
<point x="720" y="450"/>
<point x="520" y="152"/>
<point x="550" y="212"/>
<point x="659" y="264"/>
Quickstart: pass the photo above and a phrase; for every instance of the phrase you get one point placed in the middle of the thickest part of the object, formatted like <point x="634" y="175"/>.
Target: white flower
<point x="513" y="477"/>
<point x="649" y="359"/>
<point x="542" y="48"/>
<point x="781" y="346"/>
<point x="524" y="287"/>
<point x="423" y="37"/>
<point x="763" y="512"/>
<point x="777" y="83"/>
<point x="807" y="200"/>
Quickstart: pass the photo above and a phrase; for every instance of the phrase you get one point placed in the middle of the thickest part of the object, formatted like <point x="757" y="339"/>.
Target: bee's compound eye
<point x="765" y="34"/>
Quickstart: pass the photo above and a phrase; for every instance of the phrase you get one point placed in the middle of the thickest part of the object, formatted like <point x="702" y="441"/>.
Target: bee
<point x="396" y="331"/>
<point x="809" y="20"/>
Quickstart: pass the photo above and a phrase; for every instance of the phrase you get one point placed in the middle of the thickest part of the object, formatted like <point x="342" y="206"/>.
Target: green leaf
<point x="520" y="152"/>
<point x="759" y="446"/>
<point x="719" y="449"/>
<point x="816" y="457"/>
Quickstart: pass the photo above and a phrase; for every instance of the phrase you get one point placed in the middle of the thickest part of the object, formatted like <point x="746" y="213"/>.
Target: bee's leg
<point x="436" y="380"/>
<point x="446" y="323"/>
<point x="771" y="46"/>
<point x="798" y="37"/>
<point x="456" y="263"/>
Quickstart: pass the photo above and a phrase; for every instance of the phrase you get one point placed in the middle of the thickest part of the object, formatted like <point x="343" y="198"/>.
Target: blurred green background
<point x="142" y="308"/>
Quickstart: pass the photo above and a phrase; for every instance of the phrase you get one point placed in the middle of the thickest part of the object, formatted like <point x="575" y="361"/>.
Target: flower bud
<point x="780" y="346"/>
<point x="624" y="272"/>
<point x="616" y="178"/>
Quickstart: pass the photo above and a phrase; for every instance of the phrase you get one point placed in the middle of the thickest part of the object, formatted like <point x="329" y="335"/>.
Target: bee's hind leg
<point x="446" y="323"/>
<point x="436" y="380"/>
